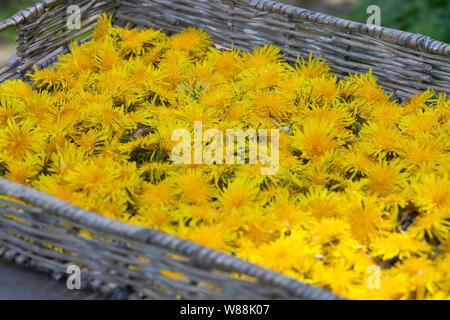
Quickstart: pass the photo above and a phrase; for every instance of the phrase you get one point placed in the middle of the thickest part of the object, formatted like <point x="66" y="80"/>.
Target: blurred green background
<point x="428" y="17"/>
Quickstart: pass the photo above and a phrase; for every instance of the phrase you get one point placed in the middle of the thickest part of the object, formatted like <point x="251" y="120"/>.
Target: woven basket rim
<point x="202" y="255"/>
<point x="411" y="40"/>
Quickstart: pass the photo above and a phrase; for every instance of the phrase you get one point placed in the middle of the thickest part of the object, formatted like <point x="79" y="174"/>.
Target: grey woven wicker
<point x="43" y="232"/>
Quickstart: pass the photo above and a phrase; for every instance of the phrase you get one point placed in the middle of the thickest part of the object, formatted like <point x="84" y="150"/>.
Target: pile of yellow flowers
<point x="363" y="181"/>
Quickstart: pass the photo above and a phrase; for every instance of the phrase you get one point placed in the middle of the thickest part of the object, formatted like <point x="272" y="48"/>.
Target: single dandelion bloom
<point x="202" y="74"/>
<point x="292" y="86"/>
<point x="16" y="89"/>
<point x="193" y="187"/>
<point x="155" y="195"/>
<point x="356" y="160"/>
<point x="385" y="178"/>
<point x="217" y="97"/>
<point x="386" y="113"/>
<point x="285" y="253"/>
<point x="90" y="141"/>
<point x="377" y="139"/>
<point x="364" y="215"/>
<point x="420" y="122"/>
<point x="104" y="27"/>
<point x="18" y="140"/>
<point x="108" y="57"/>
<point x="400" y="245"/>
<point x="321" y="203"/>
<point x="418" y="102"/>
<point x="432" y="224"/>
<point x="228" y="63"/>
<point x="260" y="227"/>
<point x="22" y="171"/>
<point x="93" y="175"/>
<point x="315" y="138"/>
<point x="313" y="68"/>
<point x="432" y="192"/>
<point x="135" y="42"/>
<point x="369" y="90"/>
<point x="190" y="40"/>
<point x="154" y="217"/>
<point x="290" y="214"/>
<point x="261" y="57"/>
<point x="49" y="79"/>
<point x="78" y="62"/>
<point x="271" y="103"/>
<point x="324" y="88"/>
<point x="36" y="108"/>
<point x="329" y="231"/>
<point x="271" y="75"/>
<point x="10" y="109"/>
<point x="424" y="149"/>
<point x="238" y="195"/>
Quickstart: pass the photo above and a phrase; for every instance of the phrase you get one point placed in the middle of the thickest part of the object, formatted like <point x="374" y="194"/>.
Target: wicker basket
<point x="129" y="261"/>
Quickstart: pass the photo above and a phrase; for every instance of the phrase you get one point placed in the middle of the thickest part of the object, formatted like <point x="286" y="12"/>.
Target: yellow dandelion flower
<point x="324" y="88"/>
<point x="228" y="63"/>
<point x="95" y="174"/>
<point x="401" y="245"/>
<point x="217" y="98"/>
<point x="190" y="40"/>
<point x="386" y="113"/>
<point x="364" y="215"/>
<point x="155" y="195"/>
<point x="193" y="187"/>
<point x="315" y="138"/>
<point x="313" y="68"/>
<point x="107" y="56"/>
<point x="424" y="148"/>
<point x="377" y="139"/>
<point x="290" y="214"/>
<point x="369" y="90"/>
<point x="22" y="171"/>
<point x="18" y="140"/>
<point x="238" y="195"/>
<point x="154" y="217"/>
<point x="54" y="186"/>
<point x="17" y="89"/>
<point x="260" y="227"/>
<point x="420" y="122"/>
<point x="385" y="178"/>
<point x="432" y="192"/>
<point x="285" y="253"/>
<point x="261" y="57"/>
<point x="337" y="115"/>
<point x="79" y="61"/>
<point x="137" y="41"/>
<point x="271" y="103"/>
<point x="322" y="203"/>
<point x="103" y="28"/>
<point x="48" y="79"/>
<point x="10" y="109"/>
<point x="418" y="101"/>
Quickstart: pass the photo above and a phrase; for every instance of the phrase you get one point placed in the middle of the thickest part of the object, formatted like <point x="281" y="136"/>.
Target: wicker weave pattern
<point x="123" y="256"/>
